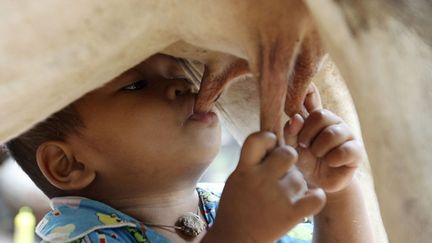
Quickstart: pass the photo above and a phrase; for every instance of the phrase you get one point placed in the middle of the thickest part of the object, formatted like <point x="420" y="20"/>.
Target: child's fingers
<point x="317" y="121"/>
<point x="348" y="154"/>
<point x="294" y="184"/>
<point x="311" y="203"/>
<point x="292" y="129"/>
<point x="279" y="161"/>
<point x="256" y="146"/>
<point x="312" y="100"/>
<point x="329" y="138"/>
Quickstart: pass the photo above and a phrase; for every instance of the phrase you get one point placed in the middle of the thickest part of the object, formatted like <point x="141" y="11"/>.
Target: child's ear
<point x="58" y="164"/>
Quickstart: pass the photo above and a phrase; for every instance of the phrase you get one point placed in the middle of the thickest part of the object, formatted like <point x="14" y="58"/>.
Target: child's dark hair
<point x="23" y="148"/>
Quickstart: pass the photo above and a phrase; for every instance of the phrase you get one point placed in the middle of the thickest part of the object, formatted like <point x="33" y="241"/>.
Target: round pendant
<point x="191" y="224"/>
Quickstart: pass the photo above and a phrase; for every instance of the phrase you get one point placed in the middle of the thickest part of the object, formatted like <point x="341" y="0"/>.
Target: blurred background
<point x="17" y="192"/>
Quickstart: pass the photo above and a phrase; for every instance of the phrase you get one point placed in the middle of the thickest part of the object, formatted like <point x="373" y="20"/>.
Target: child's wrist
<point x="345" y="193"/>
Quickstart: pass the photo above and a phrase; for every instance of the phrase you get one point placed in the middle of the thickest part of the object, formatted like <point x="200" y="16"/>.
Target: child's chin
<point x="203" y="159"/>
<point x="207" y="137"/>
<point x="207" y="145"/>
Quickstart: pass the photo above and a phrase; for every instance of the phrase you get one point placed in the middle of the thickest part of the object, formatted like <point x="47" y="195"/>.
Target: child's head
<point x="55" y="128"/>
<point x="132" y="136"/>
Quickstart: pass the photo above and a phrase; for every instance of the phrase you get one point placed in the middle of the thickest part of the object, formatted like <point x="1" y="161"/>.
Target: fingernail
<point x="302" y="145"/>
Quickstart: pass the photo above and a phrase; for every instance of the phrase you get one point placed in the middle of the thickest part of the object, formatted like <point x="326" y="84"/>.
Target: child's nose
<point x="177" y="87"/>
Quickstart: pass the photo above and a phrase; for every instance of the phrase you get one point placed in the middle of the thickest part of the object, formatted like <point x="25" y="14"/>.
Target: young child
<point x="121" y="164"/>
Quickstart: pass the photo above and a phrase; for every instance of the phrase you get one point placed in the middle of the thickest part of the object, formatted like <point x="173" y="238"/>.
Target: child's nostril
<point x="178" y="92"/>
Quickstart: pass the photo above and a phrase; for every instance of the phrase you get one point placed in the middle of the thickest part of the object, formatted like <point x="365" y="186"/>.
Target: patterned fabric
<point x="81" y="220"/>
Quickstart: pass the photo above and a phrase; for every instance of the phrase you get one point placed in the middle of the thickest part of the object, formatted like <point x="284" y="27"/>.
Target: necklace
<point x="189" y="224"/>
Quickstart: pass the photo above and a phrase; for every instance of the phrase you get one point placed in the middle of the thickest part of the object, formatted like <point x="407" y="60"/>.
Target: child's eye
<point x="140" y="84"/>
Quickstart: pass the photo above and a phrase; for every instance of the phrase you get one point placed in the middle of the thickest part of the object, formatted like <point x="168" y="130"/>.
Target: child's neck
<point x="162" y="208"/>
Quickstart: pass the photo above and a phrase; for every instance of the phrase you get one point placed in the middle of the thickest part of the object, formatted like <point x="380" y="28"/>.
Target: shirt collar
<point x="74" y="217"/>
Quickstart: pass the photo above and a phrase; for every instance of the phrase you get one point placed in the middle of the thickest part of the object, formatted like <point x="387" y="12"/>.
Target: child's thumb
<point x="256" y="147"/>
<point x="310" y="204"/>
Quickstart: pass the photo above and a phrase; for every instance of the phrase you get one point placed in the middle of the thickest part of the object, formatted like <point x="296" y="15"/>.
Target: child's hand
<point x="328" y="151"/>
<point x="265" y="196"/>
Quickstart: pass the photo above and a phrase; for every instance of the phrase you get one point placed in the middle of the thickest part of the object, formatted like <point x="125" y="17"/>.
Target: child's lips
<point x="207" y="117"/>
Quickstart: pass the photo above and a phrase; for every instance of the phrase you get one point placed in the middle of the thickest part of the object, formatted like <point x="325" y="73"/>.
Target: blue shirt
<point x="79" y="220"/>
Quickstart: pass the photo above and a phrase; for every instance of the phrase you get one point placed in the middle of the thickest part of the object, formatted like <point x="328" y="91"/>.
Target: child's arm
<point x="344" y="218"/>
<point x="329" y="154"/>
<point x="265" y="196"/>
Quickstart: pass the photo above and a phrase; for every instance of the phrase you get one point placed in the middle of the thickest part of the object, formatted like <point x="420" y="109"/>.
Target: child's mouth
<point x="207" y="117"/>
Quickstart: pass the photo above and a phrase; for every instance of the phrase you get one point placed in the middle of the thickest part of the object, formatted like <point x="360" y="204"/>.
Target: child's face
<point x="137" y="128"/>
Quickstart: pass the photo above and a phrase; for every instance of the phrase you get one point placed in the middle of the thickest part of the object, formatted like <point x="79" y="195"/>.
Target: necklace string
<point x="190" y="224"/>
